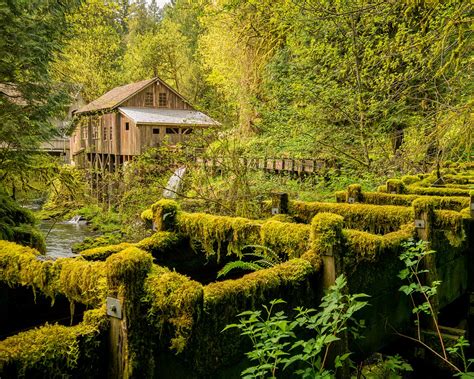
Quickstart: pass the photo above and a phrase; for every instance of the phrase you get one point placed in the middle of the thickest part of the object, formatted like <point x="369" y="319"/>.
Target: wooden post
<point x="279" y="203"/>
<point x="326" y="239"/>
<point x="354" y="194"/>
<point x="395" y="186"/>
<point x="130" y="353"/>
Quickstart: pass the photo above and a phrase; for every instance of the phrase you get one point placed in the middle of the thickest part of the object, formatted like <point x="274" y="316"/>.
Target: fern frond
<point x="248" y="266"/>
<point x="266" y="251"/>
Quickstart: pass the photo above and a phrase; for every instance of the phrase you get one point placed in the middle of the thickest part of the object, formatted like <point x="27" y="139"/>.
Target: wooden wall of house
<point x="129" y="139"/>
<point x="154" y="135"/>
<point x="173" y="101"/>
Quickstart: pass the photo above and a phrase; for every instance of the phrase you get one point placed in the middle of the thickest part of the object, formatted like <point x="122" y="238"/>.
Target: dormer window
<point x="162" y="99"/>
<point x="148" y="99"/>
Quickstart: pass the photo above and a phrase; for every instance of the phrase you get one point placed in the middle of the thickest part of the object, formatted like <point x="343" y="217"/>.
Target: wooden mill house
<point x="128" y="120"/>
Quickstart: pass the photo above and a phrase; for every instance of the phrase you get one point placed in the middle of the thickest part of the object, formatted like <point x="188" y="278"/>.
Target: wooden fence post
<point x="279" y="203"/>
<point x="326" y="238"/>
<point x="395" y="186"/>
<point x="354" y="194"/>
<point x="130" y="353"/>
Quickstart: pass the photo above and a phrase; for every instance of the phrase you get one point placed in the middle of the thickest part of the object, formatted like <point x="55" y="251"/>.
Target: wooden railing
<point x="290" y="165"/>
<point x="56" y="145"/>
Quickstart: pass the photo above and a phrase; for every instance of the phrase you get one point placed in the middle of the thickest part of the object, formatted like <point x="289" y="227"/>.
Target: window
<point x="111" y="132"/>
<point x="95" y="131"/>
<point x="162" y="99"/>
<point x="172" y="130"/>
<point x="84" y="132"/>
<point x="156" y="131"/>
<point x="127" y="126"/>
<point x="148" y="99"/>
<point x="186" y="131"/>
<point x="105" y="133"/>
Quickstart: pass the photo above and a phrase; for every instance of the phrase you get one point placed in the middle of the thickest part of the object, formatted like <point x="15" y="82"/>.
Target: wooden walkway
<point x="283" y="165"/>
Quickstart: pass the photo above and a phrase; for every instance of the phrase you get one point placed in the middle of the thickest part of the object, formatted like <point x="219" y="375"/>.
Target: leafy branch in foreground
<point x="276" y="347"/>
<point x="414" y="273"/>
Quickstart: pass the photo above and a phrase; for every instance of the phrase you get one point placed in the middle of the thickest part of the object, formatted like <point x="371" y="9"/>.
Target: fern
<point x="267" y="259"/>
<point x="248" y="266"/>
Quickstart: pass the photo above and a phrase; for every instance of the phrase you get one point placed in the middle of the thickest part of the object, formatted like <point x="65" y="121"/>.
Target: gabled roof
<point x="119" y="95"/>
<point x="115" y="97"/>
<point x="165" y="116"/>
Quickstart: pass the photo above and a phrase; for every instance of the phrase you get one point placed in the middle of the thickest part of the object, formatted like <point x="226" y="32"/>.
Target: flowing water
<point x="172" y="188"/>
<point x="60" y="236"/>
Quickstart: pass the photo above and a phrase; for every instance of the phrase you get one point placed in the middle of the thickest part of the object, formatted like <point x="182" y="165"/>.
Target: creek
<point x="60" y="236"/>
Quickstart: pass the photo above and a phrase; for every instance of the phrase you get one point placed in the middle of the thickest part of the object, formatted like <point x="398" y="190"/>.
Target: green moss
<point x="147" y="215"/>
<point x="371" y="218"/>
<point x="212" y="232"/>
<point x="284" y="238"/>
<point x="54" y="351"/>
<point x="127" y="270"/>
<point x="102" y="253"/>
<point x="341" y="196"/>
<point x="437" y="191"/>
<point x="362" y="246"/>
<point x="395" y="186"/>
<point x="175" y="303"/>
<point x="100" y="241"/>
<point x="164" y="214"/>
<point x="410" y="179"/>
<point x="326" y="228"/>
<point x="209" y="347"/>
<point x="442" y="202"/>
<point x="78" y="280"/>
<point x="81" y="281"/>
<point x="354" y="191"/>
<point x="160" y="243"/>
<point x="282" y="218"/>
<point x="452" y="224"/>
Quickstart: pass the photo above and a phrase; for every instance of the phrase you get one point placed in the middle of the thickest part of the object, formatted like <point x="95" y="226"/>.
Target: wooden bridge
<point x="299" y="166"/>
<point x="58" y="147"/>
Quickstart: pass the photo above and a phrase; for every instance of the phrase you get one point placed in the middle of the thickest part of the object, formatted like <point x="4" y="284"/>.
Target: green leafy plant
<point x="266" y="258"/>
<point x="422" y="297"/>
<point x="275" y="342"/>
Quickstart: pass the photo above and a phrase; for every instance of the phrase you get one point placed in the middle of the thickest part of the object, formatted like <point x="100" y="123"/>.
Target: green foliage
<point x="265" y="259"/>
<point x="93" y="242"/>
<point x="174" y="302"/>
<point x="103" y="252"/>
<point x="93" y="56"/>
<point x="372" y="218"/>
<point x="80" y="281"/>
<point x="423" y="297"/>
<point x="17" y="224"/>
<point x="362" y="246"/>
<point x="165" y="213"/>
<point x="56" y="350"/>
<point x="33" y="32"/>
<point x="213" y="232"/>
<point x="275" y="346"/>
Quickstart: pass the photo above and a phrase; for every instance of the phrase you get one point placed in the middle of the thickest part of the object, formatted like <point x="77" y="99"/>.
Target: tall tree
<point x="93" y="57"/>
<point x="32" y="32"/>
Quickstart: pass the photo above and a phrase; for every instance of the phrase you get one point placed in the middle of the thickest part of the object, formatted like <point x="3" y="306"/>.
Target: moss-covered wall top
<point x="57" y="351"/>
<point x="372" y="218"/>
<point x="80" y="281"/>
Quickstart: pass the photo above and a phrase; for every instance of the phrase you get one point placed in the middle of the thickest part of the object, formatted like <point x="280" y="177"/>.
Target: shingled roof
<point x="115" y="97"/>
